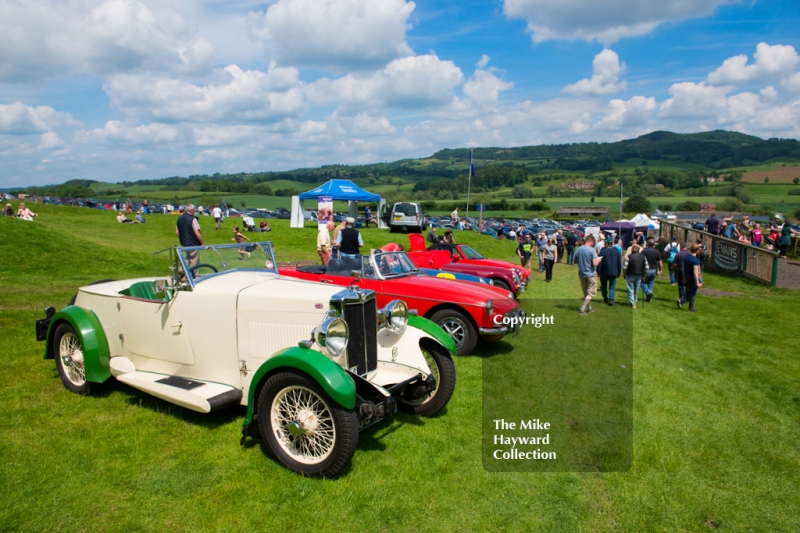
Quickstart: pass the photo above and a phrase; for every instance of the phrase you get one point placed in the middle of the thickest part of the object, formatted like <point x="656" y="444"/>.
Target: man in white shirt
<point x="217" y="214"/>
<point x="324" y="245"/>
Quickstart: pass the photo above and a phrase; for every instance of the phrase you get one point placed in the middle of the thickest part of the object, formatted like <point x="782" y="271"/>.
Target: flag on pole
<point x="469" y="179"/>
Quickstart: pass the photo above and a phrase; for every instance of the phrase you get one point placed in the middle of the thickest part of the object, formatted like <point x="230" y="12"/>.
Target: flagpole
<point x="469" y="181"/>
<point x="619" y="233"/>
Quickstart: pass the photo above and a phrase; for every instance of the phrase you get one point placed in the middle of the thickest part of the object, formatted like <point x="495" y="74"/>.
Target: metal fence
<point x="739" y="259"/>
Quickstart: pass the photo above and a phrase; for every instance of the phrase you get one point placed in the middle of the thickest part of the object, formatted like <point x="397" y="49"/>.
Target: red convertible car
<point x="465" y="310"/>
<point x="465" y="259"/>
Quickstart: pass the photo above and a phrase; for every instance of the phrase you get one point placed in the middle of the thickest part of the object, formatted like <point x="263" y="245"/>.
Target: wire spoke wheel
<point x="303" y="425"/>
<point x="304" y="428"/>
<point x="68" y="351"/>
<point x="71" y="355"/>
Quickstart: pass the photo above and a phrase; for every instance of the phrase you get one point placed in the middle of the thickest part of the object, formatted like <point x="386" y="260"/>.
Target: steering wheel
<point x="194" y="269"/>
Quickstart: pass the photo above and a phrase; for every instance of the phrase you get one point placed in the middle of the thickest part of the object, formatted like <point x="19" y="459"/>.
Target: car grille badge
<point x="394" y="353"/>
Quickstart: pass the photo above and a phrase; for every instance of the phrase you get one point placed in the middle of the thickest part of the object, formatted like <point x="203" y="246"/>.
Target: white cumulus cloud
<point x="770" y="62"/>
<point x="607" y="21"/>
<point x="49" y="140"/>
<point x="633" y="113"/>
<point x="128" y="132"/>
<point x="334" y="34"/>
<point x="41" y="38"/>
<point x="606" y="70"/>
<point x="483" y="88"/>
<point x="237" y="95"/>
<point x="409" y="82"/>
<point x="20" y="118"/>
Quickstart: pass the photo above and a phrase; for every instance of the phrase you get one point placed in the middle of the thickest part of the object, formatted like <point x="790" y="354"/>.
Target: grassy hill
<point x="715" y="417"/>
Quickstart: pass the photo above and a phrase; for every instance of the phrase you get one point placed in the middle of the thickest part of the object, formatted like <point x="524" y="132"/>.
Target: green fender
<point x="92" y="337"/>
<point x="434" y="330"/>
<point x="331" y="377"/>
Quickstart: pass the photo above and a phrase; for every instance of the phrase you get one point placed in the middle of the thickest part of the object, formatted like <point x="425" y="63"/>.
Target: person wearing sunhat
<point x="349" y="239"/>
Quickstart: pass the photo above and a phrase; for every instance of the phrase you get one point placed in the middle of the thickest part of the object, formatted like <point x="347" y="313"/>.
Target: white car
<point x="313" y="364"/>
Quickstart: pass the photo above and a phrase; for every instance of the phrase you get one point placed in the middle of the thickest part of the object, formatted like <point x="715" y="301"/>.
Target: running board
<point x="200" y="396"/>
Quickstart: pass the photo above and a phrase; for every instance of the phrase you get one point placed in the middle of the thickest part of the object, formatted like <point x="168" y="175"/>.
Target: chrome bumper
<point x="493" y="331"/>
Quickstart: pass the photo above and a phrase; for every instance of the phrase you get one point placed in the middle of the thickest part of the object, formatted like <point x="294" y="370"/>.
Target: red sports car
<point x="464" y="258"/>
<point x="465" y="310"/>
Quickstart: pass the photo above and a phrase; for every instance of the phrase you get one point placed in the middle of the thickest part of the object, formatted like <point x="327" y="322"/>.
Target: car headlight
<point x="395" y="316"/>
<point x="333" y="335"/>
<point x="489" y="307"/>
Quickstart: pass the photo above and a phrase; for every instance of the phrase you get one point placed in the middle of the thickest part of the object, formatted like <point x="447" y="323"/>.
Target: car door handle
<point x="178" y="325"/>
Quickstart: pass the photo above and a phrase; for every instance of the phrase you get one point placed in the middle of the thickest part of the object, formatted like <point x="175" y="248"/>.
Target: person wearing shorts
<point x="587" y="260"/>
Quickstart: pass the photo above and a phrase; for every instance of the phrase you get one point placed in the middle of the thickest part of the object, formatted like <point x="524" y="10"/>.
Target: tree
<point x="730" y="204"/>
<point x="638" y="204"/>
<point x="796" y="181"/>
<point x="244" y="204"/>
<point x="766" y="179"/>
<point x="743" y="194"/>
<point x="688" y="206"/>
<point x="665" y="207"/>
<point x="521" y="191"/>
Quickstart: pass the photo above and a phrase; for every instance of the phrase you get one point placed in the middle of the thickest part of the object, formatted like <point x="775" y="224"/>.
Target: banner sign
<point x="726" y="255"/>
<point x="324" y="210"/>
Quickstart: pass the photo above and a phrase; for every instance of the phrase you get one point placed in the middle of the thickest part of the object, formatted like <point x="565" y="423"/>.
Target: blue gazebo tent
<point x="341" y="190"/>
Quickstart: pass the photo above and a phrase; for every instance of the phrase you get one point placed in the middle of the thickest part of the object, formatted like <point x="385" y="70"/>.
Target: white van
<point x="405" y="217"/>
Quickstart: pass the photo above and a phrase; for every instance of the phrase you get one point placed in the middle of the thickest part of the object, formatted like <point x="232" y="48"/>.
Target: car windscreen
<point x="204" y="261"/>
<point x="388" y="265"/>
<point x="470" y="252"/>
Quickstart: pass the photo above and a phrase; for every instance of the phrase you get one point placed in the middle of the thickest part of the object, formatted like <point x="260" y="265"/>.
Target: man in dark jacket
<point x="679" y="268"/>
<point x="609" y="270"/>
<point x="635" y="266"/>
<point x="349" y="239"/>
<point x="572" y="240"/>
<point x="653" y="268"/>
<point x="188" y="231"/>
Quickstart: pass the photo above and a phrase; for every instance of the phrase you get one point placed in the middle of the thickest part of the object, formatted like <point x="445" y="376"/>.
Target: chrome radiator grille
<point x="362" y="349"/>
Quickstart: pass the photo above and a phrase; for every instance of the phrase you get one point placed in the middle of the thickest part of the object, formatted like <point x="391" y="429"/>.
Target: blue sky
<point x="117" y="90"/>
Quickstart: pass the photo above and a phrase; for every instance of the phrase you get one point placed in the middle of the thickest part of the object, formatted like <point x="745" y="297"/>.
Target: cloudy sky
<point x="118" y="90"/>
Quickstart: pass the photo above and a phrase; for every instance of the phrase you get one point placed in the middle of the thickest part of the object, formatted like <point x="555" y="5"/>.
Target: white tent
<point x="643" y="220"/>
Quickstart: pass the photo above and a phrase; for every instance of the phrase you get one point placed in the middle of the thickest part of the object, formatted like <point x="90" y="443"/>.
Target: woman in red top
<point x="240" y="238"/>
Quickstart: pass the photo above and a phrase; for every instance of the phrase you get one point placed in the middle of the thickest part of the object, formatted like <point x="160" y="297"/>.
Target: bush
<point x="521" y="191"/>
<point x="743" y="194"/>
<point x="665" y="207"/>
<point x="794" y="192"/>
<point x="638" y="203"/>
<point x="688" y="206"/>
<point x="730" y="204"/>
<point x="538" y="206"/>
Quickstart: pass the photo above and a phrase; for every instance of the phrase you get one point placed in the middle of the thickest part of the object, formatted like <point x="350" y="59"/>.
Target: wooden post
<point x="775" y="271"/>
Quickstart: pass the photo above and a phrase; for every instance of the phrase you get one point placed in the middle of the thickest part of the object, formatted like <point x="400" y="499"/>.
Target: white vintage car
<point x="313" y="364"/>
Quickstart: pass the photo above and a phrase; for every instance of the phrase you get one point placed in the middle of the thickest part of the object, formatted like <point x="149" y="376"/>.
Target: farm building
<point x="583" y="211"/>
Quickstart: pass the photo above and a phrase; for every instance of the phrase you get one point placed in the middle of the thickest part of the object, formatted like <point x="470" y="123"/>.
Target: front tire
<point x="459" y="327"/>
<point x="444" y="371"/>
<point x="305" y="429"/>
<point x="502" y="284"/>
<point x="70" y="362"/>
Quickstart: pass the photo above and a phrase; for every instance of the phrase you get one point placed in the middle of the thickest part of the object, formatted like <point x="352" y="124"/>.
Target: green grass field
<point x="716" y="417"/>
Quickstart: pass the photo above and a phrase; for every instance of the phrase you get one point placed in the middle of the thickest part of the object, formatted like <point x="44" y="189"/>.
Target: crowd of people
<point x="778" y="239"/>
<point x="640" y="265"/>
